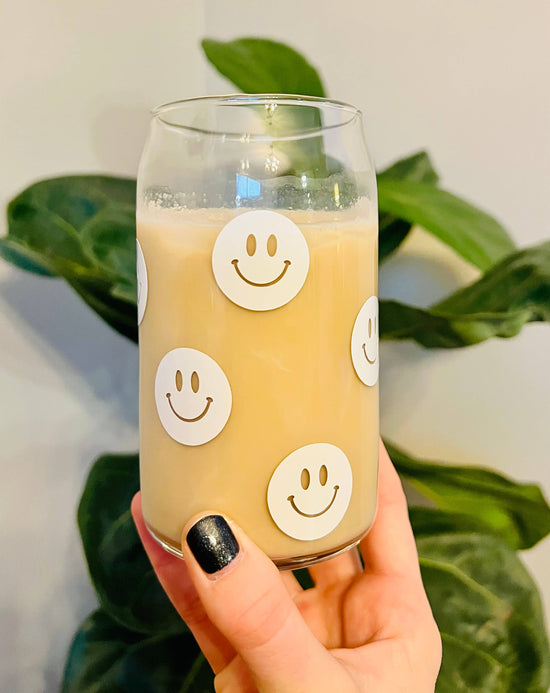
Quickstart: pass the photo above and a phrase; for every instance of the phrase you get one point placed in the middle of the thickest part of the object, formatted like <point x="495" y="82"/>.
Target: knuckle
<point x="261" y="620"/>
<point x="429" y="639"/>
<point x="192" y="611"/>
<point x="435" y="644"/>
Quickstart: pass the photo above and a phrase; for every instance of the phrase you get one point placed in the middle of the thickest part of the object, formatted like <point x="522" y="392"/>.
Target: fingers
<point x="389" y="547"/>
<point x="174" y="577"/>
<point x="245" y="598"/>
<point x="337" y="570"/>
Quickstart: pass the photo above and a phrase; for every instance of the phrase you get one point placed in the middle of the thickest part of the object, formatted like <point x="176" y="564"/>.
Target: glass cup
<point x="257" y="264"/>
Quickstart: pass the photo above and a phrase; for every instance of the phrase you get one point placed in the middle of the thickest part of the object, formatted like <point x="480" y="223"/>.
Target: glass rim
<point x="238" y="99"/>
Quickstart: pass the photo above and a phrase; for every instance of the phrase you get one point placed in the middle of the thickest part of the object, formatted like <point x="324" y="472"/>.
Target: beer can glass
<point x="257" y="266"/>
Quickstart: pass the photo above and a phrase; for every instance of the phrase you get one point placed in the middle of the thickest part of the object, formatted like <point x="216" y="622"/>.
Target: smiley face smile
<point x="300" y="512"/>
<point x="303" y="481"/>
<point x="209" y="401"/>
<point x="365" y="352"/>
<point x="251" y="250"/>
<point x="235" y="264"/>
<point x="188" y="375"/>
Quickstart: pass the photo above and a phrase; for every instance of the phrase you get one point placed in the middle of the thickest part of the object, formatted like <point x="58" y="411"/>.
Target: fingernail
<point x="212" y="543"/>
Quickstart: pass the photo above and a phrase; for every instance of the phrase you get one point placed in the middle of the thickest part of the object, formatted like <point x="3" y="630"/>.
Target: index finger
<point x="389" y="547"/>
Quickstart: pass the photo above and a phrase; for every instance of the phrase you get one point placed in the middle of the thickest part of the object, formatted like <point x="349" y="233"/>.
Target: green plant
<point x="82" y="228"/>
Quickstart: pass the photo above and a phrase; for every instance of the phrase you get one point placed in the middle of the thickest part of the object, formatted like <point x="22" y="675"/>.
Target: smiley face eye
<point x="323" y="475"/>
<point x="195" y="381"/>
<point x="272" y="245"/>
<point x="179" y="381"/>
<point x="374" y="325"/>
<point x="251" y="244"/>
<point x="305" y="478"/>
<point x="370" y="327"/>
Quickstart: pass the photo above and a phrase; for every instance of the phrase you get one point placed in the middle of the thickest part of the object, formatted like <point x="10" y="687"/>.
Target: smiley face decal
<point x="364" y="342"/>
<point x="310" y="490"/>
<point x="260" y="260"/>
<point x="192" y="395"/>
<point x="141" y="271"/>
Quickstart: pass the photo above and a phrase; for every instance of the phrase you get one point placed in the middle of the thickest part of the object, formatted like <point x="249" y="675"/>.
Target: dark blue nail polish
<point x="212" y="543"/>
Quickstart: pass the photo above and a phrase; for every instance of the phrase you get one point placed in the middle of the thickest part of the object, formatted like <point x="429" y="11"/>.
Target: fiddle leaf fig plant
<point x="82" y="228"/>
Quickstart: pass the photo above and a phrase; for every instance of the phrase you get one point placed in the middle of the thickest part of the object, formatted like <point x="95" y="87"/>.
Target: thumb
<point x="244" y="596"/>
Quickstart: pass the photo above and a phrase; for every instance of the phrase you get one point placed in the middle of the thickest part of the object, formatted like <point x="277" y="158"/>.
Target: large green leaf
<point x="429" y="521"/>
<point x="23" y="258"/>
<point x="513" y="292"/>
<point x="416" y="167"/>
<point x="261" y="66"/>
<point x="81" y="228"/>
<point x="391" y="233"/>
<point x="473" y="234"/>
<point x="392" y="230"/>
<point x="489" y="614"/>
<point x="107" y="658"/>
<point x="518" y="513"/>
<point x="123" y="578"/>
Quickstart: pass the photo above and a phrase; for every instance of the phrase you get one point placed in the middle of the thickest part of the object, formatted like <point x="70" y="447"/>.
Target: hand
<point x="365" y="630"/>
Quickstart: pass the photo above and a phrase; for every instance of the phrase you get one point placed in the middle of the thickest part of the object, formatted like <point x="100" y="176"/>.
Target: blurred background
<point x="466" y="80"/>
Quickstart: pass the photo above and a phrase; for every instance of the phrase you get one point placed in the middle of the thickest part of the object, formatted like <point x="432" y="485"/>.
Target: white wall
<point x="466" y="80"/>
<point x="81" y="78"/>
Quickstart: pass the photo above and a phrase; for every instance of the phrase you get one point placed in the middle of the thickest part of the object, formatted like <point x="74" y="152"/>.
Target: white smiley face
<point x="192" y="395"/>
<point x="310" y="490"/>
<point x="364" y="342"/>
<point x="141" y="271"/>
<point x="260" y="260"/>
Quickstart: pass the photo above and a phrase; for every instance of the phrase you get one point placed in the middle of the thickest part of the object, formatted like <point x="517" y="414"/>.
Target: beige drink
<point x="292" y="383"/>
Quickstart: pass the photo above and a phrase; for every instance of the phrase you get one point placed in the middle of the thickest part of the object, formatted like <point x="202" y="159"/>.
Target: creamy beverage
<point x="259" y="374"/>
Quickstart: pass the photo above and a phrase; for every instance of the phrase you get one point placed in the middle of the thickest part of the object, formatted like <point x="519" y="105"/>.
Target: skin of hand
<point x="367" y="630"/>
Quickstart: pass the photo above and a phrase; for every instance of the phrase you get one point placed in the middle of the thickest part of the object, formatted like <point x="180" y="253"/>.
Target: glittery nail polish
<point x="212" y="543"/>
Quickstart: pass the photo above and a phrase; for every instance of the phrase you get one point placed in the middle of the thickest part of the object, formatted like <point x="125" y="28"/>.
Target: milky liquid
<point x="290" y="371"/>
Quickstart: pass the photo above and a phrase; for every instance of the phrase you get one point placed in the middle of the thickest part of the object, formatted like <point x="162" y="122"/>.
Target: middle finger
<point x="340" y="569"/>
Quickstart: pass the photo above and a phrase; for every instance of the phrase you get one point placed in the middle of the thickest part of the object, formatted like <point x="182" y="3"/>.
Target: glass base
<point x="298" y="562"/>
<point x="294" y="563"/>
